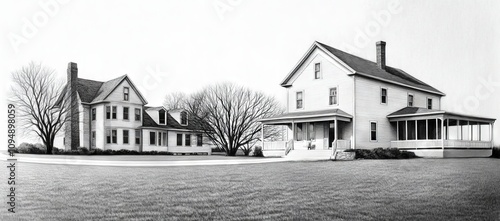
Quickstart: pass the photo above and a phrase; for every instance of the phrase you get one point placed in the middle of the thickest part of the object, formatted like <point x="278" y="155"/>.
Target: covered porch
<point x="318" y="130"/>
<point x="432" y="133"/>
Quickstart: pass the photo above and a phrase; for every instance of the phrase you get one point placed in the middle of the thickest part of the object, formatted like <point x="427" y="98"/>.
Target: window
<point x="410" y="100"/>
<point x="108" y="112"/>
<point x="199" y="140"/>
<point x="373" y="131"/>
<point x="125" y="136"/>
<point x="383" y="95"/>
<point x="93" y="114"/>
<point x="161" y="114"/>
<point x="299" y="100"/>
<point x="113" y="136"/>
<point x="108" y="136"/>
<point x="113" y="112"/>
<point x="137" y="136"/>
<point x="184" y="118"/>
<point x="159" y="138"/>
<point x="179" y="139"/>
<point x="125" y="113"/>
<point x="187" y="141"/>
<point x="125" y="93"/>
<point x="333" y="96"/>
<point x="93" y="138"/>
<point x="138" y="114"/>
<point x="429" y="103"/>
<point x="152" y="138"/>
<point x="317" y="71"/>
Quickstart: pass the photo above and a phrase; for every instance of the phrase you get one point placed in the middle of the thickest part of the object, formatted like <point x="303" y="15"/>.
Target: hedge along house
<point x="112" y="115"/>
<point x="336" y="100"/>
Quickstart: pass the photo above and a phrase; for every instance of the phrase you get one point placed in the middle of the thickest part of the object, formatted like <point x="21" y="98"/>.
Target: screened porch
<point x="442" y="131"/>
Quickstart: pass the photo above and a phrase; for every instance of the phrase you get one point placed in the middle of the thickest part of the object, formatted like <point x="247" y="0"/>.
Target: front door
<point x="331" y="133"/>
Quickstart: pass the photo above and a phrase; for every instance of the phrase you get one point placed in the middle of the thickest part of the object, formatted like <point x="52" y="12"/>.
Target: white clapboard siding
<point x="369" y="108"/>
<point x="316" y="91"/>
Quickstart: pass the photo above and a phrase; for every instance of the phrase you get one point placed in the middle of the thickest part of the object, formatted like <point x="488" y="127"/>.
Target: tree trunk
<point x="49" y="144"/>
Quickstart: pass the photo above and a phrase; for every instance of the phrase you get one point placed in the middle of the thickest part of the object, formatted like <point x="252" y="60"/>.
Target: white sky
<point x="451" y="45"/>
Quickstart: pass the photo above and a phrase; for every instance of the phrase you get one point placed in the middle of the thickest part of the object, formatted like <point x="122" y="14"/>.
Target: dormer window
<point x="317" y="71"/>
<point x="162" y="116"/>
<point x="184" y="118"/>
<point x="125" y="93"/>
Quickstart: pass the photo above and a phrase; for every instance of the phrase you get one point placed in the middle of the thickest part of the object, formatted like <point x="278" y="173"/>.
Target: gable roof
<point x="365" y="68"/>
<point x="107" y="88"/>
<point x="91" y="91"/>
<point x="171" y="122"/>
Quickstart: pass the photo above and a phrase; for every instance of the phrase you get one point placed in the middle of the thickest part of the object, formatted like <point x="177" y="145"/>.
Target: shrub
<point x="496" y="152"/>
<point x="83" y="150"/>
<point x="55" y="150"/>
<point x="97" y="151"/>
<point x="381" y="153"/>
<point x="257" y="151"/>
<point x="31" y="149"/>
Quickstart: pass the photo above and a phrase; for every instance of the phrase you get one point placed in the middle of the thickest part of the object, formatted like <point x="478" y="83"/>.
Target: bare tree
<point x="35" y="94"/>
<point x="176" y="100"/>
<point x="229" y="114"/>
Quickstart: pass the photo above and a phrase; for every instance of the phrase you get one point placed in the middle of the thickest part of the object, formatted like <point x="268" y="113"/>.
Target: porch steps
<point x="309" y="155"/>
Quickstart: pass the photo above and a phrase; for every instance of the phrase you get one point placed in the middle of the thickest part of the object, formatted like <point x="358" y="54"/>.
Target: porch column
<point x="336" y="130"/>
<point x="447" y="129"/>
<point x="427" y="129"/>
<point x="469" y="126"/>
<point x="293" y="131"/>
<point x="416" y="130"/>
<point x="491" y="133"/>
<point x="442" y="130"/>
<point x="478" y="131"/>
<point x="397" y="130"/>
<point x="437" y="132"/>
<point x="406" y="130"/>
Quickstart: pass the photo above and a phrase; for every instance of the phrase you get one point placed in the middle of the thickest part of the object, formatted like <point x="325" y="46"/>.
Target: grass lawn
<point x="418" y="189"/>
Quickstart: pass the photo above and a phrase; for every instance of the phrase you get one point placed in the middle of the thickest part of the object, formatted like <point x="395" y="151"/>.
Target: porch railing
<point x="415" y="144"/>
<point x="340" y="145"/>
<point x="288" y="147"/>
<point x="274" y="145"/>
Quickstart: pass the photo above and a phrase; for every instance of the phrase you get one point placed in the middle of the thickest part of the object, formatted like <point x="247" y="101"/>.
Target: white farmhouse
<point x="339" y="100"/>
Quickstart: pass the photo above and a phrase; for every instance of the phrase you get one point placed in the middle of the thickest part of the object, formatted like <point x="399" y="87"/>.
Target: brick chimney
<point x="381" y="54"/>
<point x="72" y="132"/>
